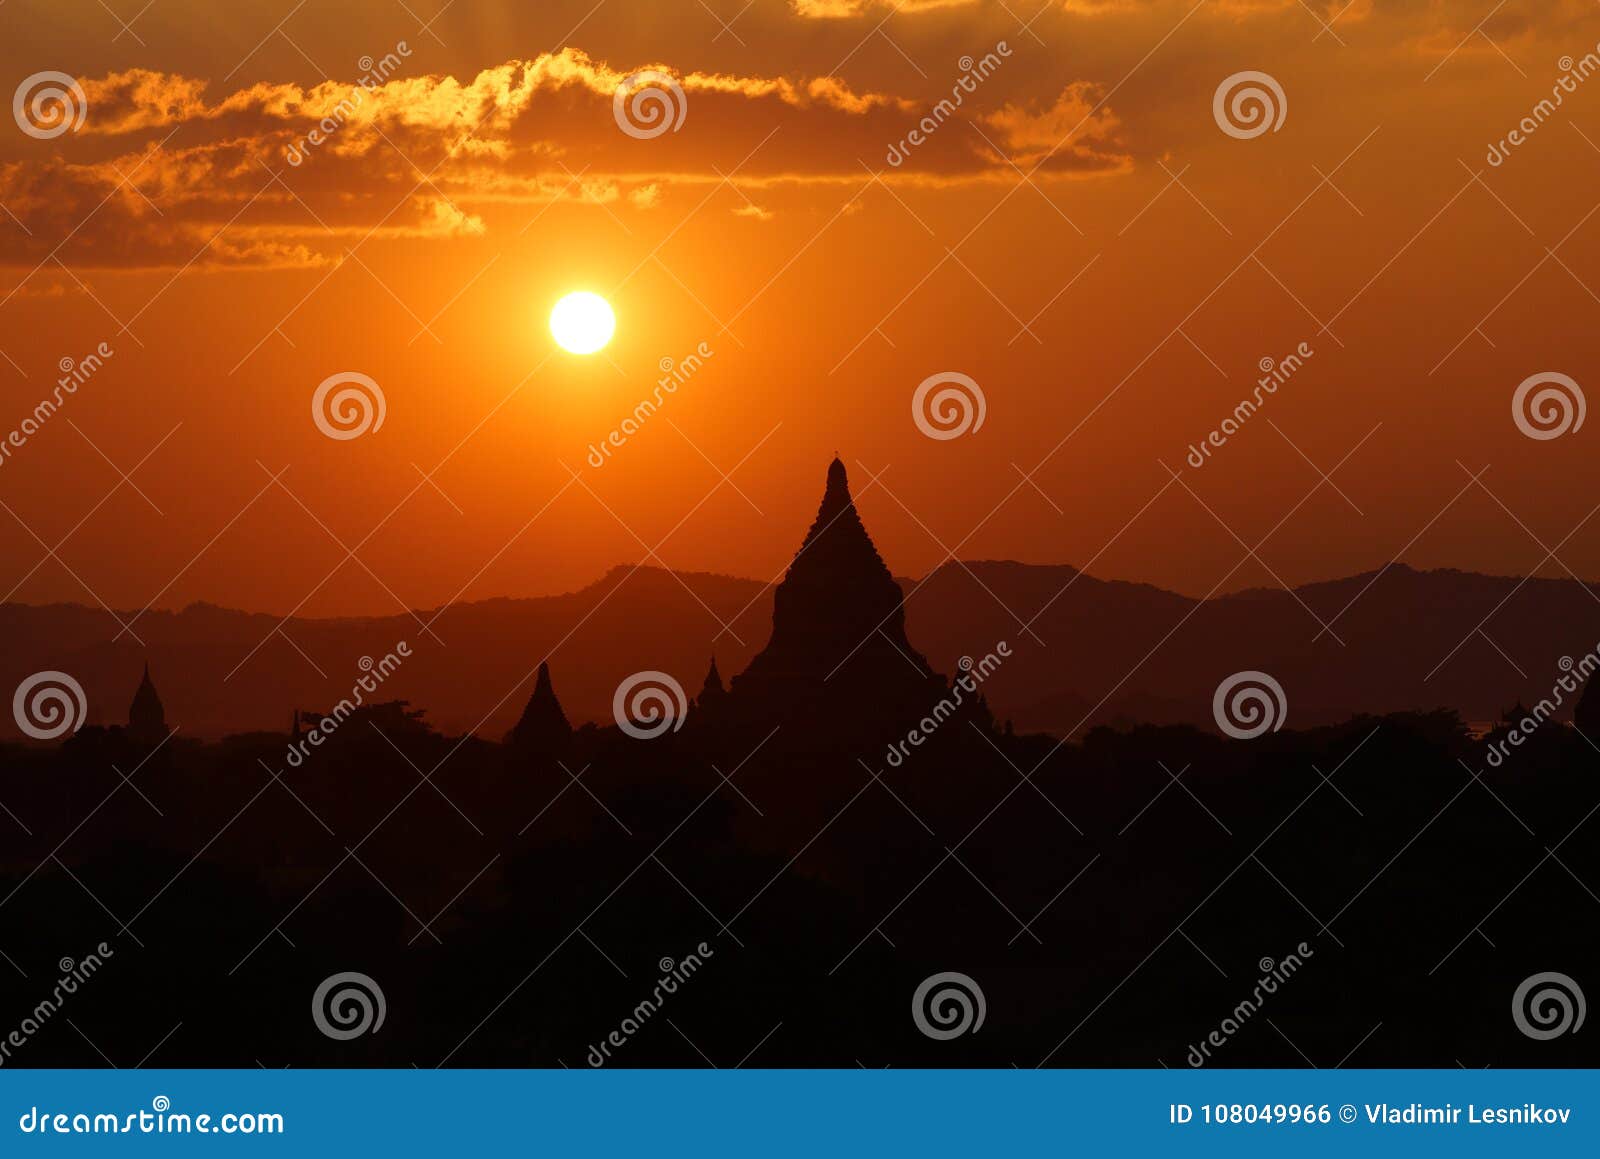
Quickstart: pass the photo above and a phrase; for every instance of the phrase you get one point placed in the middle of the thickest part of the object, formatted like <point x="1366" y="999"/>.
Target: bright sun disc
<point x="582" y="322"/>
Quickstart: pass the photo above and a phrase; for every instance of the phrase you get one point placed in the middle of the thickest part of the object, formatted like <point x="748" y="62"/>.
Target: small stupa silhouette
<point x="712" y="692"/>
<point x="147" y="720"/>
<point x="544" y="728"/>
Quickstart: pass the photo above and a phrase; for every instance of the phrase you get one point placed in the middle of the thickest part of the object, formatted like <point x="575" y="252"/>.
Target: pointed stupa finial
<point x="837" y="480"/>
<point x="836" y="495"/>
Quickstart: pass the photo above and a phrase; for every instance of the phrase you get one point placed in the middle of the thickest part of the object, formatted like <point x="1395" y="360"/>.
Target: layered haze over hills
<point x="1394" y="640"/>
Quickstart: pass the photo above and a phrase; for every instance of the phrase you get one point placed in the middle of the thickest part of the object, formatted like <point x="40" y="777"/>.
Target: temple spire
<point x="838" y="655"/>
<point x="147" y="720"/>
<point x="544" y="727"/>
<point x="712" y="691"/>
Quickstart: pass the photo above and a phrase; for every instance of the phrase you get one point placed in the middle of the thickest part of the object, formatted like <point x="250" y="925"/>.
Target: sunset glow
<point x="1105" y="219"/>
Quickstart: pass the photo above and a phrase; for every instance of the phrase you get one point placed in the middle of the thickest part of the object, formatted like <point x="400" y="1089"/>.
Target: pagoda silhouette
<point x="147" y="720"/>
<point x="838" y="665"/>
<point x="713" y="694"/>
<point x="543" y="727"/>
<point x="838" y="660"/>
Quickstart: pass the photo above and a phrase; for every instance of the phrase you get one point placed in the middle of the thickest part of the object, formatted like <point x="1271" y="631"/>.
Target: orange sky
<point x="425" y="240"/>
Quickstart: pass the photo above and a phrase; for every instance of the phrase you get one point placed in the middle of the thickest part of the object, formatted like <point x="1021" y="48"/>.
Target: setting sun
<point x="582" y="323"/>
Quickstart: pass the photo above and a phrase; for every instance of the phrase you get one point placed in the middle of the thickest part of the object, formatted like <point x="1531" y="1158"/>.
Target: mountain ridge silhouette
<point x="1092" y="633"/>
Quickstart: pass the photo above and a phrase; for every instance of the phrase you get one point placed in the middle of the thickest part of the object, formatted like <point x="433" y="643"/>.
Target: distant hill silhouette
<point x="1091" y="634"/>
